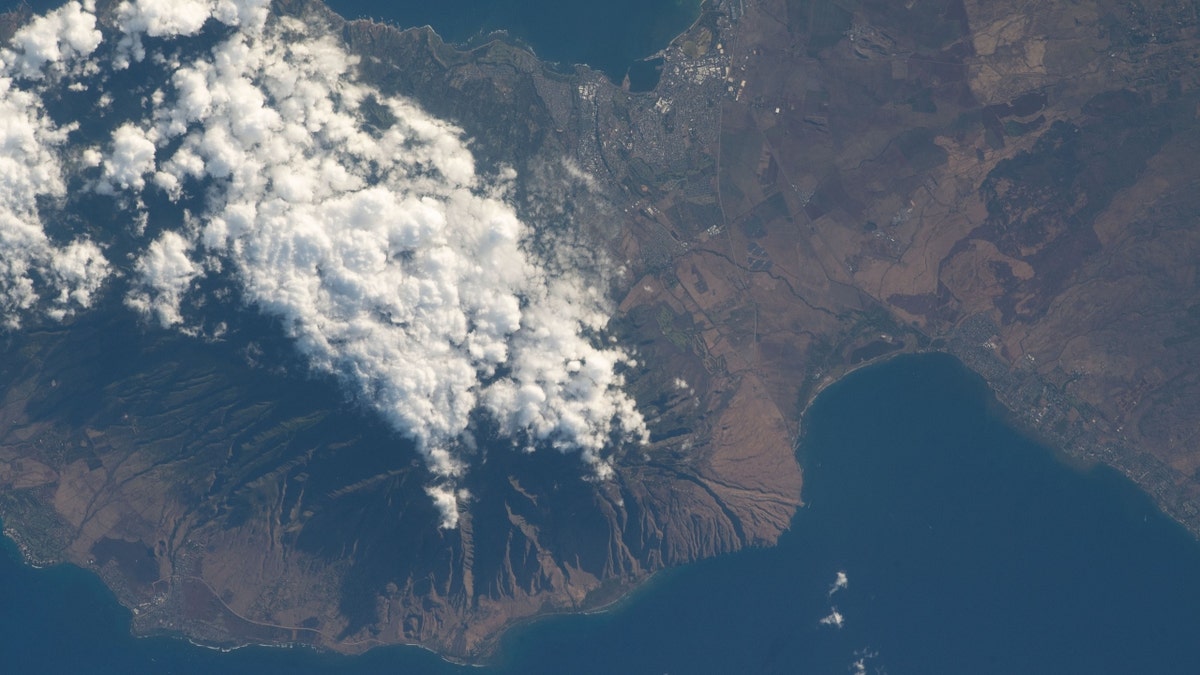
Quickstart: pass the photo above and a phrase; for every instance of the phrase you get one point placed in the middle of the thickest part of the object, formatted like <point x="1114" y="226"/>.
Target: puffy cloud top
<point x="171" y="18"/>
<point x="67" y="32"/>
<point x="131" y="159"/>
<point x="33" y="269"/>
<point x="164" y="274"/>
<point x="389" y="260"/>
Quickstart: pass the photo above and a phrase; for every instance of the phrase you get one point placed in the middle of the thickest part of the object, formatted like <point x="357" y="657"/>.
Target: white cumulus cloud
<point x="77" y="272"/>
<point x="65" y="33"/>
<point x="389" y="259"/>
<point x="131" y="159"/>
<point x="36" y="272"/>
<point x="164" y="273"/>
<point x="839" y="582"/>
<point x="834" y="619"/>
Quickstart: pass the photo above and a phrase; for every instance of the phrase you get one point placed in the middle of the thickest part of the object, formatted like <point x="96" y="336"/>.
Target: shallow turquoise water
<point x="966" y="549"/>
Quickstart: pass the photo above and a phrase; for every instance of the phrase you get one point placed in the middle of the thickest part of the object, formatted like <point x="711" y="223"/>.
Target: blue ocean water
<point x="609" y="35"/>
<point x="965" y="548"/>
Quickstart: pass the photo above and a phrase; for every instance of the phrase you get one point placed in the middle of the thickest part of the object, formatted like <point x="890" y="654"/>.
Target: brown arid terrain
<point x="813" y="185"/>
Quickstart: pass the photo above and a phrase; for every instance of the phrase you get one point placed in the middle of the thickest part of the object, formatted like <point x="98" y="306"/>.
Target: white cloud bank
<point x="53" y="39"/>
<point x="37" y="273"/>
<point x="388" y="259"/>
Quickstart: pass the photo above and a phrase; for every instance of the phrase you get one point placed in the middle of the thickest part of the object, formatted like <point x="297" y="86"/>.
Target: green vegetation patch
<point x="669" y="324"/>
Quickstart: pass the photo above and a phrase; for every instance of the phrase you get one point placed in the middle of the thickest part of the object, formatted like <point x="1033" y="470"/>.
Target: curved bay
<point x="966" y="548"/>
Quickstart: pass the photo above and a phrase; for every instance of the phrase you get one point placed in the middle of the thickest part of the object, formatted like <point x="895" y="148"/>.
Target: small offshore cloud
<point x="834" y="618"/>
<point x="839" y="582"/>
<point x="391" y="262"/>
<point x="864" y="659"/>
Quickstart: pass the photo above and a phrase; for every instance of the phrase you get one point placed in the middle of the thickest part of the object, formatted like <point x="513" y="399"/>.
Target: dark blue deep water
<point x="967" y="549"/>
<point x="608" y="35"/>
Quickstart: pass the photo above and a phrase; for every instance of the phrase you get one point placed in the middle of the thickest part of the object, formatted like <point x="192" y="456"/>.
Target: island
<point x="811" y="186"/>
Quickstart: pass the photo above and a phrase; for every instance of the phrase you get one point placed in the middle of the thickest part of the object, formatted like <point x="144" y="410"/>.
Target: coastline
<point x="1018" y="418"/>
<point x="625" y="592"/>
<point x="791" y="617"/>
<point x="483" y="39"/>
